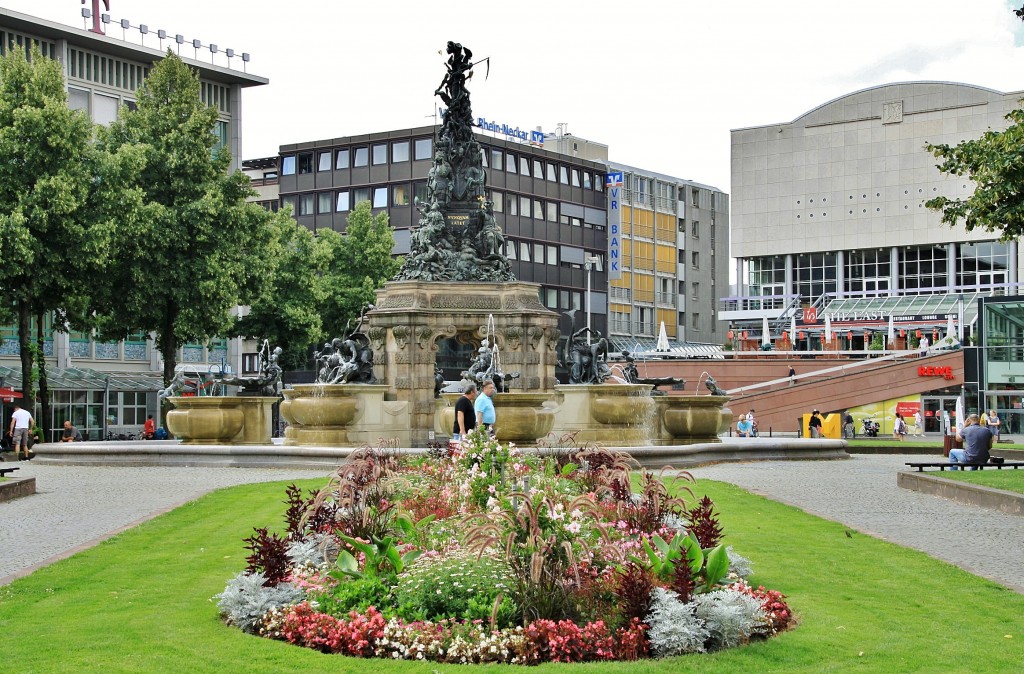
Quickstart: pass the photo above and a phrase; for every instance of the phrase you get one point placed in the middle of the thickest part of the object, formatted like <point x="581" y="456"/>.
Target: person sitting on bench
<point x="977" y="440"/>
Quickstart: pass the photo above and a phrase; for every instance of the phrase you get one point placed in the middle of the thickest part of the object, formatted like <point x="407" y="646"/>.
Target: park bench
<point x="4" y="471"/>
<point x="946" y="464"/>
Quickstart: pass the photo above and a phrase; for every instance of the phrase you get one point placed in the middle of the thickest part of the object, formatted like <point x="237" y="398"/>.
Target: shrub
<point x="357" y="594"/>
<point x="738" y="564"/>
<point x="633" y="586"/>
<point x="730" y="616"/>
<point x="458" y="585"/>
<point x="704" y="523"/>
<point x="247" y="598"/>
<point x="674" y="627"/>
<point x="310" y="552"/>
<point x="772" y="601"/>
<point x="356" y="636"/>
<point x="565" y="641"/>
<point x="540" y="545"/>
<point x="269" y="556"/>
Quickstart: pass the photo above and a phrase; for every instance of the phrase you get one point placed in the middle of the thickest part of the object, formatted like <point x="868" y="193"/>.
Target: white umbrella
<point x="960" y="413"/>
<point x="892" y="330"/>
<point x="949" y="327"/>
<point x="792" y="331"/>
<point x="828" y="329"/>
<point x="766" y="337"/>
<point x="662" y="339"/>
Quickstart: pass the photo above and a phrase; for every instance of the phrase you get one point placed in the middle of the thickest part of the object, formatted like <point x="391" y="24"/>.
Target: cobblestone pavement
<point x="75" y="507"/>
<point x="862" y="494"/>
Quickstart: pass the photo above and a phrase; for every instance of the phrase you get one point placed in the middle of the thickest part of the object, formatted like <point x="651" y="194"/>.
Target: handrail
<point x="889" y="357"/>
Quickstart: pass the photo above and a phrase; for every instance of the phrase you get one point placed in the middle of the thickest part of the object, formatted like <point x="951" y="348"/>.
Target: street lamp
<point x="589" y="263"/>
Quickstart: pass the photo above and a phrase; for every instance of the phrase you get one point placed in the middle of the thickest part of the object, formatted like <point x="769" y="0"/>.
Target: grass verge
<point x="1007" y="479"/>
<point x="140" y="602"/>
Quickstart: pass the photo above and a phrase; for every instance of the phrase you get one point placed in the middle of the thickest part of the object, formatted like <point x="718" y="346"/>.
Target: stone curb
<point x="171" y="453"/>
<point x="972" y="494"/>
<point x="16" y="487"/>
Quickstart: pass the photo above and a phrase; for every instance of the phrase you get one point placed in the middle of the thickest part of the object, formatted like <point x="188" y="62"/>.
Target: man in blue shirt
<point x="484" y="407"/>
<point x="977" y="440"/>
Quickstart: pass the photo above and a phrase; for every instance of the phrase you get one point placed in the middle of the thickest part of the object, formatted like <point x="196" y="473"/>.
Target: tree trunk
<point x="44" y="421"/>
<point x="25" y="347"/>
<point x="168" y="346"/>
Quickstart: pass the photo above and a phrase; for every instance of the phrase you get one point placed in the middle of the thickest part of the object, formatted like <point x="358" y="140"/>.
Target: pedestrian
<point x="918" y="423"/>
<point x="21" y="425"/>
<point x="484" y="406"/>
<point x="848" y="431"/>
<point x="71" y="434"/>
<point x="993" y="424"/>
<point x="899" y="427"/>
<point x="753" y="423"/>
<point x="977" y="441"/>
<point x="465" y="416"/>
<point x="814" y="425"/>
<point x="792" y="376"/>
<point x="149" y="428"/>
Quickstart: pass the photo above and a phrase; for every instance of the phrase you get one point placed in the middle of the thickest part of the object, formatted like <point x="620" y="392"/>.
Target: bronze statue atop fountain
<point x="587" y="359"/>
<point x="458" y="238"/>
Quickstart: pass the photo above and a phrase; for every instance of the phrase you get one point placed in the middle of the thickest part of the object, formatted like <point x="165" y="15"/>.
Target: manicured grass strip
<point x="140" y="602"/>
<point x="1007" y="478"/>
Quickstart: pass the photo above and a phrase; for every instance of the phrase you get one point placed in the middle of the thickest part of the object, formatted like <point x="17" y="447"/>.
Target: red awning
<point x="9" y="394"/>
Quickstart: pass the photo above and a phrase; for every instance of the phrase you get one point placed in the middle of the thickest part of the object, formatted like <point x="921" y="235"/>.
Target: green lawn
<point x="141" y="602"/>
<point x="1008" y="479"/>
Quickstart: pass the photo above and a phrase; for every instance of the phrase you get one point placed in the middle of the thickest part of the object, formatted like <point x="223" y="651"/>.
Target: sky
<point x="660" y="82"/>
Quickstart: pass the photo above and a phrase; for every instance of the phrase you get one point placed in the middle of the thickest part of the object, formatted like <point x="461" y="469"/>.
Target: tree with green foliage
<point x="199" y="248"/>
<point x="361" y="262"/>
<point x="288" y="311"/>
<point x="58" y="201"/>
<point x="995" y="162"/>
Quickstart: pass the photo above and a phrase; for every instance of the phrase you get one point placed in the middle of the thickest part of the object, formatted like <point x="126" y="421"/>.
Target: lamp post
<point x="589" y="263"/>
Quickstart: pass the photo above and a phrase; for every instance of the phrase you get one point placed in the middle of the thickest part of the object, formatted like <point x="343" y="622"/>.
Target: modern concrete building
<point x="829" y="221"/>
<point x="100" y="385"/>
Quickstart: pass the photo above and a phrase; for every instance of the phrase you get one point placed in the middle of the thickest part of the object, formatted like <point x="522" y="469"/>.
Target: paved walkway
<point x="76" y="507"/>
<point x="862" y="493"/>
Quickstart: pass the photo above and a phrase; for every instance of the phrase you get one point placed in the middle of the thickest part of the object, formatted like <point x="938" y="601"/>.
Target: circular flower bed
<point x="486" y="554"/>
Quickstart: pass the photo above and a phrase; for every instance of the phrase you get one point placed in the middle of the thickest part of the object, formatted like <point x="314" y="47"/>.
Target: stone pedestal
<point x="343" y="415"/>
<point x="615" y="415"/>
<point x="684" y="420"/>
<point x="522" y="418"/>
<point x="411" y="316"/>
<point x="238" y="420"/>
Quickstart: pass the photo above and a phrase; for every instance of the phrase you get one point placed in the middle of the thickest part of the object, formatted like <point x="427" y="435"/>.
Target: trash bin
<point x="950" y="442"/>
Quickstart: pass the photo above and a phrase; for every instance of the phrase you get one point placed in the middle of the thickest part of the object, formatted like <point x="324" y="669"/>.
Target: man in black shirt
<point x="465" y="416"/>
<point x="814" y="425"/>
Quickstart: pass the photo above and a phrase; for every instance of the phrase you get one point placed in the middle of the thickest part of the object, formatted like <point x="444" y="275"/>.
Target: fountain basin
<point x="690" y="419"/>
<point x="343" y="415"/>
<point x="522" y="417"/>
<point x="619" y="415"/>
<point x="239" y="420"/>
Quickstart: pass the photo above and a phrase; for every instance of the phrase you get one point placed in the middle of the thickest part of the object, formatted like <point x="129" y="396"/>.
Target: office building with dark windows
<point x="550" y="206"/>
<point x="551" y="201"/>
<point x="111" y="386"/>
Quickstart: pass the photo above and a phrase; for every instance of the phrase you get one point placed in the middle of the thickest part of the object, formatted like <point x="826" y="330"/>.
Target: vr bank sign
<point x="613" y="183"/>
